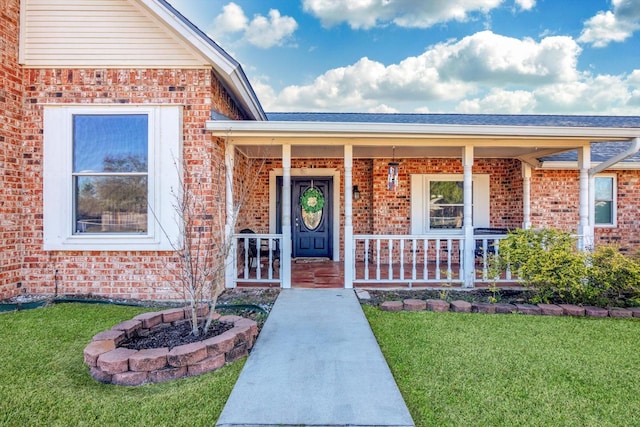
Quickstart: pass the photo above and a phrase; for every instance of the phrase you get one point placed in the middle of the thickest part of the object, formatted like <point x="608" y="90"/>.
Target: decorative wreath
<point x="312" y="200"/>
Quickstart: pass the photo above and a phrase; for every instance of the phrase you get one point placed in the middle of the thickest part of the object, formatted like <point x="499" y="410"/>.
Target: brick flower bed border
<point x="503" y="308"/>
<point x="111" y="364"/>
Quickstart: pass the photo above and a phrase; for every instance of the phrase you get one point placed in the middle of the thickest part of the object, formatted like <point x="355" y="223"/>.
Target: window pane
<point x="110" y="143"/>
<point x="604" y="188"/>
<point x="111" y="204"/>
<point x="441" y="217"/>
<point x="446" y="192"/>
<point x="604" y="212"/>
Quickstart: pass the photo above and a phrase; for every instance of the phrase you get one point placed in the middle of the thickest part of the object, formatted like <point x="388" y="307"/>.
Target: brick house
<point x="101" y="96"/>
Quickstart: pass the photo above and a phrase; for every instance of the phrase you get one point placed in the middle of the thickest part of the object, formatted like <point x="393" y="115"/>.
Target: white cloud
<point x="405" y="13"/>
<point x="445" y="72"/>
<point x="482" y="73"/>
<point x="262" y="31"/>
<point x="526" y="4"/>
<point x="500" y="101"/>
<point x="612" y="26"/>
<point x="272" y="31"/>
<point x="231" y="20"/>
<point x="383" y="108"/>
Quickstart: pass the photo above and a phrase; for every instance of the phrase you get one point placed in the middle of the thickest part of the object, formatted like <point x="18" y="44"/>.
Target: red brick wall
<point x="393" y="209"/>
<point x="380" y="211"/>
<point x="555" y="204"/>
<point x="11" y="156"/>
<point x="146" y="275"/>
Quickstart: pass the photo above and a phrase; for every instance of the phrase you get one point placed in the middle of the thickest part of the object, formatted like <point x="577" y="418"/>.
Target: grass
<point x="43" y="380"/>
<point x="489" y="370"/>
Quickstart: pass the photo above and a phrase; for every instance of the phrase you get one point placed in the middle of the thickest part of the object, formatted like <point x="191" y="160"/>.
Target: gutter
<point x="633" y="149"/>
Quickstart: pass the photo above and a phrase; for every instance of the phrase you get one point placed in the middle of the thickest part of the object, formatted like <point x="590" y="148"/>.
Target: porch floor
<point x="330" y="274"/>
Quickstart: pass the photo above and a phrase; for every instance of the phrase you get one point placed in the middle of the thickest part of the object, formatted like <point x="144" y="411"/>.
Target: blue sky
<point x="432" y="56"/>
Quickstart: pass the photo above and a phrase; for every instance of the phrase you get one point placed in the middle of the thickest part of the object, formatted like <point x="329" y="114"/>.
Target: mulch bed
<point x="174" y="336"/>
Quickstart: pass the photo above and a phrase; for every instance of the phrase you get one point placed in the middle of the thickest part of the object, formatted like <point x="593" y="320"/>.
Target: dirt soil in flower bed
<point x="511" y="296"/>
<point x="174" y="336"/>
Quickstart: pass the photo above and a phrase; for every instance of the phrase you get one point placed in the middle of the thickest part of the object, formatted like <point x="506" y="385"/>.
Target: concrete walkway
<point x="316" y="362"/>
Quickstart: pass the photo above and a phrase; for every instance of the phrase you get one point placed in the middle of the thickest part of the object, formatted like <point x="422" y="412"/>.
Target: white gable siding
<point x="100" y="33"/>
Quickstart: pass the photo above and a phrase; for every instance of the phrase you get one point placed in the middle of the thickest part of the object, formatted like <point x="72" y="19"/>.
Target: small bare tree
<point x="207" y="227"/>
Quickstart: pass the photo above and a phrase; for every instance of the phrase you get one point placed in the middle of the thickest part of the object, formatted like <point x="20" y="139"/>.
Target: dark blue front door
<point x="311" y="231"/>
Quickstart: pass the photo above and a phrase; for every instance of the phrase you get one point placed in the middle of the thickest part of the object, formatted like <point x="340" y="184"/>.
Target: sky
<point x="432" y="56"/>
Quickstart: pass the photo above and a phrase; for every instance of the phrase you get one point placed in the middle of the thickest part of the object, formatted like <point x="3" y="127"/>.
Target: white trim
<point x="573" y="165"/>
<point x="226" y="67"/>
<point x="319" y="172"/>
<point x="165" y="153"/>
<point x="614" y="201"/>
<point x="420" y="201"/>
<point x="372" y="130"/>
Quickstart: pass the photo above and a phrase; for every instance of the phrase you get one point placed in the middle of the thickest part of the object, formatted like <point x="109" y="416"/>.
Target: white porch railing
<point x="256" y="258"/>
<point x="422" y="259"/>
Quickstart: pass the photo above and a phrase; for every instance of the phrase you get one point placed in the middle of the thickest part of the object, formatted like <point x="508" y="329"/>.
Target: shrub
<point x="616" y="276"/>
<point x="549" y="264"/>
<point x="547" y="261"/>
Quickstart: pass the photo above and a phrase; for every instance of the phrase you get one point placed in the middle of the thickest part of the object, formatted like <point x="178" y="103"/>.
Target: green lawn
<point x="43" y="380"/>
<point x="488" y="370"/>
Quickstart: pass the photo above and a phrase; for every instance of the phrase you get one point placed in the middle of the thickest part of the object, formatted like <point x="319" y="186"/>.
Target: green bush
<point x="549" y="263"/>
<point x="616" y="276"/>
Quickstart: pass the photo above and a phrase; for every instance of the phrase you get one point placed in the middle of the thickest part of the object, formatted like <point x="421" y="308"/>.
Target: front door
<point x="311" y="217"/>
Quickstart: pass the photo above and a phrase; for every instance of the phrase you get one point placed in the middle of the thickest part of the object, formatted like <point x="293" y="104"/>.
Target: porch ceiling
<point x="274" y="151"/>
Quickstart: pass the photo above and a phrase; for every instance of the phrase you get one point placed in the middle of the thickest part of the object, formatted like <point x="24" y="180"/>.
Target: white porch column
<point x="469" y="241"/>
<point x="285" y="253"/>
<point x="348" y="217"/>
<point x="229" y="154"/>
<point x="584" y="229"/>
<point x="526" y="196"/>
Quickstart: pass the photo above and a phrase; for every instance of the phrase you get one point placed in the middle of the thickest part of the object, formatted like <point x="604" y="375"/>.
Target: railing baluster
<point x="425" y="258"/>
<point x="437" y="259"/>
<point x="366" y="259"/>
<point x="401" y="259"/>
<point x="390" y="246"/>
<point x="449" y="256"/>
<point x="414" y="258"/>
<point x="378" y="259"/>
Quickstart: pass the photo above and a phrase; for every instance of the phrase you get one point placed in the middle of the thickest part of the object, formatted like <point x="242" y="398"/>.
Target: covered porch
<point x="386" y="233"/>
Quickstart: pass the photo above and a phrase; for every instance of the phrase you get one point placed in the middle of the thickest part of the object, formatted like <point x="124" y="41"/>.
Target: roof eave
<point x="351" y="129"/>
<point x="227" y="68"/>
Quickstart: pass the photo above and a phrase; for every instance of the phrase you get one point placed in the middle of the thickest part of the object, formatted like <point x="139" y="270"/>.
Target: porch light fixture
<point x="356" y="193"/>
<point x="392" y="176"/>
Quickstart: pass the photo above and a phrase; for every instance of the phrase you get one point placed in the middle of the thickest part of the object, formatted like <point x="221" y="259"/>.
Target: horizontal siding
<point x="100" y="33"/>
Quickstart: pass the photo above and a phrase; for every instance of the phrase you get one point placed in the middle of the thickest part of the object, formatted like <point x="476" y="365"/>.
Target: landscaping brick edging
<point x="111" y="364"/>
<point x="504" y="308"/>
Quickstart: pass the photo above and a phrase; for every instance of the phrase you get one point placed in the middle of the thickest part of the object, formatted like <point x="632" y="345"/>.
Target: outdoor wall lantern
<point x="392" y="177"/>
<point x="356" y="193"/>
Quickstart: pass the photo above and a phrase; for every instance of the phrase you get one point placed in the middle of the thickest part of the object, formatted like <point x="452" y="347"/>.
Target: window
<point x="437" y="202"/>
<point x="605" y="196"/>
<point x="109" y="173"/>
<point x="446" y="204"/>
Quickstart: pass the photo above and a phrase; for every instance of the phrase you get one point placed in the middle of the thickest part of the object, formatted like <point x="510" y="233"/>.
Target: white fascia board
<point x="351" y="129"/>
<point x="564" y="165"/>
<point x="228" y="68"/>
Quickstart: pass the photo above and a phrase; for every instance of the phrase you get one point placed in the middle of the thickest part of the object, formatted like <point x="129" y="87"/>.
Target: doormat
<point x="310" y="260"/>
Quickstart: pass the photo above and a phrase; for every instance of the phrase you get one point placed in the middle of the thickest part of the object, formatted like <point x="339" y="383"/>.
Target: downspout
<point x="633" y="149"/>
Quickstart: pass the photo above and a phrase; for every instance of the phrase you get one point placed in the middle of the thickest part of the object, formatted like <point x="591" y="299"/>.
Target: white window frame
<point x="164" y="169"/>
<point x="614" y="202"/>
<point x="420" y="202"/>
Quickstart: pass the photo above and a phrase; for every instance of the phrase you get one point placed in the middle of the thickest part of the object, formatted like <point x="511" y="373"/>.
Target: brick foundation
<point x="109" y="363"/>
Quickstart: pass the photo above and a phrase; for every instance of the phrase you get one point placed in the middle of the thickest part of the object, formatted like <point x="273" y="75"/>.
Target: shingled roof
<point x="465" y="119"/>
